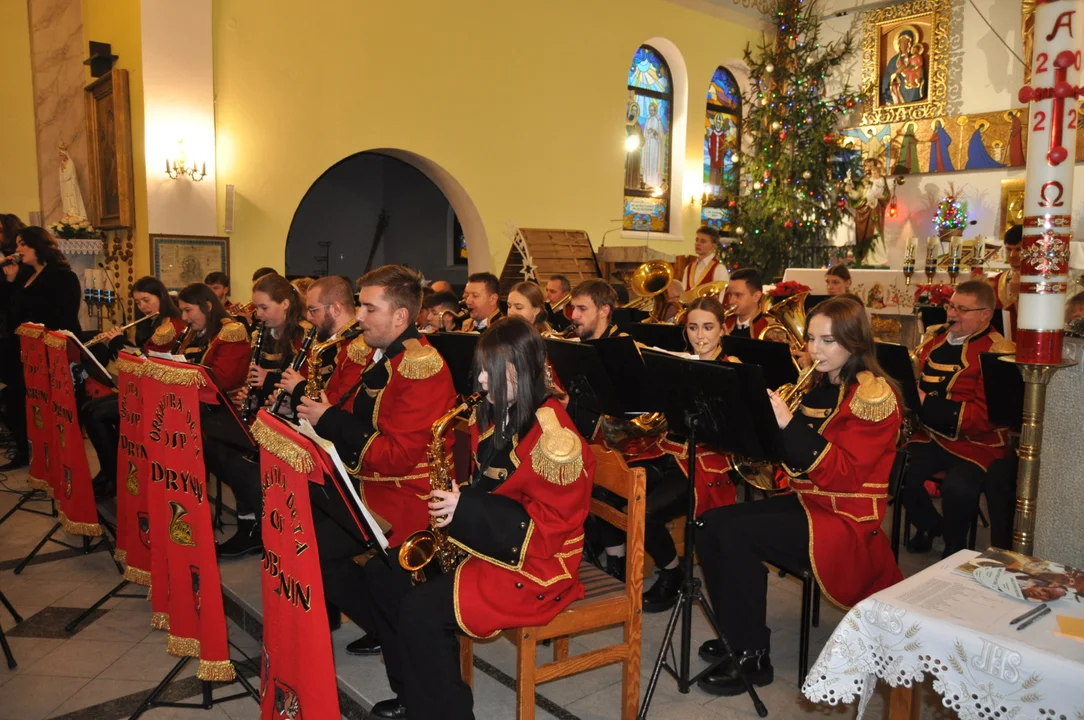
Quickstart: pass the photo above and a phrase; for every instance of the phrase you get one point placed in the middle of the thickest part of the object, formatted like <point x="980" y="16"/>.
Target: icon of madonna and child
<point x="903" y="78"/>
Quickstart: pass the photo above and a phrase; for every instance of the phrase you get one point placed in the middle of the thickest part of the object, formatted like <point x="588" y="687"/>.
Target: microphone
<point x="116" y="293"/>
<point x="12" y="259"/>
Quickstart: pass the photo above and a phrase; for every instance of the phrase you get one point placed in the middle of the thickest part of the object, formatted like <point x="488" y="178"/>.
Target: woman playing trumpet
<point x="838" y="449"/>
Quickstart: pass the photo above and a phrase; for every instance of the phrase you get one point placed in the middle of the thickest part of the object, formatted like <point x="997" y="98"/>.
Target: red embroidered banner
<point x="174" y="444"/>
<point x="69" y="472"/>
<point x="39" y="411"/>
<point x="133" y="523"/>
<point x="298" y="669"/>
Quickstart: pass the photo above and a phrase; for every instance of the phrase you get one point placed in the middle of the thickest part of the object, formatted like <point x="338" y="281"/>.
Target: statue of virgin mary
<point x="71" y="198"/>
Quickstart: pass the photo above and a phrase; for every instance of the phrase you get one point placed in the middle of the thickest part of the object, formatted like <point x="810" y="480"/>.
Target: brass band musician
<point x="482" y="296"/>
<point x="707" y="268"/>
<point x="745" y="294"/>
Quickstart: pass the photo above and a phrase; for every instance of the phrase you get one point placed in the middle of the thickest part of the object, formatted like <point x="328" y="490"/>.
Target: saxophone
<point x="315" y="383"/>
<point x="418" y="550"/>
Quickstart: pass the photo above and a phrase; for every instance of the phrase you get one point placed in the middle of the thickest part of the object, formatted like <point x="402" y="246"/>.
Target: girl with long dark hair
<point x="279" y="306"/>
<point x="838" y="450"/>
<point x="213" y="338"/>
<point x="50" y="295"/>
<point x="520" y="524"/>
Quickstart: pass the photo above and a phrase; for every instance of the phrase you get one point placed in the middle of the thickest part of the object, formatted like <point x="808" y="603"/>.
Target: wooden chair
<point x="608" y="602"/>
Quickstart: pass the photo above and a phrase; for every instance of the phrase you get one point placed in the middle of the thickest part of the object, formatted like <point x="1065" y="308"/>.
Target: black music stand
<point x="773" y="357"/>
<point x="592" y="390"/>
<point x="557" y="318"/>
<point x="625" y="317"/>
<point x="896" y="361"/>
<point x="695" y="397"/>
<point x="932" y="315"/>
<point x="661" y="335"/>
<point x="457" y="349"/>
<point x="1004" y="387"/>
<point x="811" y="301"/>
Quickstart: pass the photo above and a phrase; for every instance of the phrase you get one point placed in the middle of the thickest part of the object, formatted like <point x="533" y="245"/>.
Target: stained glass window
<point x="722" y="143"/>
<point x="459" y="242"/>
<point x="648" y="122"/>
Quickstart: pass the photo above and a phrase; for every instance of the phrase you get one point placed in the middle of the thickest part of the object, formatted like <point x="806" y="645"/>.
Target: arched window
<point x="722" y="143"/>
<point x="648" y="124"/>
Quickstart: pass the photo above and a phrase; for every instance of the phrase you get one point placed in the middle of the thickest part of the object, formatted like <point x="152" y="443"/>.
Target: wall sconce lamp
<point x="179" y="166"/>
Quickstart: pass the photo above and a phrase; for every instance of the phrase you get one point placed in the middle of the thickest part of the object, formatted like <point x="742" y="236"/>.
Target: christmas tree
<point x="795" y="173"/>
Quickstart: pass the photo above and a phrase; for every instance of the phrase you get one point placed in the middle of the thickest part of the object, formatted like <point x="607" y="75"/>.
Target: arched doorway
<point x="431" y="220"/>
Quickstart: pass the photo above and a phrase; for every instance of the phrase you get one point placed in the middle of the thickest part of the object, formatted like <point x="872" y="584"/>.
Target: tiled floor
<point x="101" y="670"/>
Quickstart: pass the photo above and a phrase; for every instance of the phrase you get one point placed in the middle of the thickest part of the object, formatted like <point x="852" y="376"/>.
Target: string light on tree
<point x="951" y="213"/>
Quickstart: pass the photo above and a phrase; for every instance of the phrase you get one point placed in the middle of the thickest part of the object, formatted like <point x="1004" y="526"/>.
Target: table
<point x="947" y="627"/>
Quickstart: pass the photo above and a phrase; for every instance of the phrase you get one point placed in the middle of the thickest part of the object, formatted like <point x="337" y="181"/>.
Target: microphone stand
<point x="691" y="593"/>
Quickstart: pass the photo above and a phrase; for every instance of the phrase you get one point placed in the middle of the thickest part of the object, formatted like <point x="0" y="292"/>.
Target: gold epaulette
<point x="874" y="401"/>
<point x="233" y="331"/>
<point x="1000" y="343"/>
<point x="165" y="333"/>
<point x="357" y="350"/>
<point x="419" y="361"/>
<point x="557" y="456"/>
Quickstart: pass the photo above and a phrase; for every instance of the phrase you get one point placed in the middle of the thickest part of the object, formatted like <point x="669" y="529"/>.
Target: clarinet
<point x="299" y="358"/>
<point x="181" y="340"/>
<point x="252" y="401"/>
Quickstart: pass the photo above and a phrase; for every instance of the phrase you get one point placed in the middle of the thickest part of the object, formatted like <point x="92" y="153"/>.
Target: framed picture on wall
<point x="905" y="61"/>
<point x="180" y="260"/>
<point x="109" y="143"/>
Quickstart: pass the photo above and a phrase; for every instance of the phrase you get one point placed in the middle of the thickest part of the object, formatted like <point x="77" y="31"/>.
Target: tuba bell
<point x="650" y="279"/>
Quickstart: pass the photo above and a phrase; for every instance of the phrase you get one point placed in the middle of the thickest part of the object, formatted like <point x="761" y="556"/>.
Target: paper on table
<point x="957" y="599"/>
<point x="329" y="447"/>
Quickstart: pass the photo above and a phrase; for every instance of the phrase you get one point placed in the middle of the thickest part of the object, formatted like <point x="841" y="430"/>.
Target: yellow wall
<point x="18" y="159"/>
<point x="522" y="103"/>
<point x="117" y="23"/>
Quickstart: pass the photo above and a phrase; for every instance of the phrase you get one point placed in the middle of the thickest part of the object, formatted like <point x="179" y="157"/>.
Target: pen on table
<point x="1045" y="611"/>
<point x="1028" y="614"/>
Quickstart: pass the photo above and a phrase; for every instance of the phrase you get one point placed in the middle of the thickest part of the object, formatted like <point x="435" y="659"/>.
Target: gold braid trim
<point x="56" y="342"/>
<point x="132" y="367"/>
<point x="874" y="400"/>
<point x="286" y="450"/>
<point x="357" y="350"/>
<point x="419" y="361"/>
<point x="30" y="332"/>
<point x="79" y="528"/>
<point x="187" y="377"/>
<point x="121" y="556"/>
<point x="233" y="332"/>
<point x="37" y="483"/>
<point x="215" y="670"/>
<point x="1003" y="345"/>
<point x="159" y="621"/>
<point x="557" y="456"/>
<point x="165" y="333"/>
<point x="137" y="576"/>
<point x="182" y="647"/>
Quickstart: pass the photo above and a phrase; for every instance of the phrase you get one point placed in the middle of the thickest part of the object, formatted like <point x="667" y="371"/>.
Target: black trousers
<point x="238" y="470"/>
<point x="1000" y="490"/>
<point x="960" y="492"/>
<point x="734" y="542"/>
<point x="101" y="420"/>
<point x="418" y="634"/>
<point x="667" y="498"/>
<point x="340" y="542"/>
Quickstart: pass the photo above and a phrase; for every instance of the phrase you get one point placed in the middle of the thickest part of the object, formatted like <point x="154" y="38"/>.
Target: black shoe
<point x="726" y="681"/>
<point x="921" y="542"/>
<point x="247" y="540"/>
<point x="334" y="619"/>
<point x="365" y="645"/>
<point x="663" y="594"/>
<point x="615" y="566"/>
<point x="712" y="651"/>
<point x="389" y="709"/>
<point x="19" y="461"/>
<point x="105" y="486"/>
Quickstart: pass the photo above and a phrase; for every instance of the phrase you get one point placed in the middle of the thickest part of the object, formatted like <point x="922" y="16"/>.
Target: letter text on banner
<point x="133" y="522"/>
<point x="39" y="411"/>
<point x="298" y="666"/>
<point x="69" y="471"/>
<point x="1048" y="193"/>
<point x="197" y="623"/>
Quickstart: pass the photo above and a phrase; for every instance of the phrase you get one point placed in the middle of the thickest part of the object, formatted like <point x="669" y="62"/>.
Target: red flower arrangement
<point x="933" y="294"/>
<point x="788" y="288"/>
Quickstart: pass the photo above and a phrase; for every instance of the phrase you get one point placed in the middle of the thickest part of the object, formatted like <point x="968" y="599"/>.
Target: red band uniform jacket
<point x="954" y="413"/>
<point x="521" y="523"/>
<point x="838" y="452"/>
<point x="226" y="354"/>
<point x="756" y="326"/>
<point x="384" y="438"/>
<point x="163" y="337"/>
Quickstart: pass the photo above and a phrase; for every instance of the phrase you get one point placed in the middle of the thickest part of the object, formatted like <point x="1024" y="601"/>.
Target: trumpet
<point x="757" y="473"/>
<point x="100" y="337"/>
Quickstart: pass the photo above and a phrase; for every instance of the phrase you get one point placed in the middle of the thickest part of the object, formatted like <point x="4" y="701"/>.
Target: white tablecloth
<point x="947" y="626"/>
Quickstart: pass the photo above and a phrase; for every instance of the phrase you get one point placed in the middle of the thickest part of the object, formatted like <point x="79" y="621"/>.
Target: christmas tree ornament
<point x="806" y="175"/>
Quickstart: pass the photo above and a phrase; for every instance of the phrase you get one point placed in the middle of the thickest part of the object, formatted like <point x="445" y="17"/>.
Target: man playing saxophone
<point x="380" y="426"/>
<point x="839" y="445"/>
<point x="519" y="525"/>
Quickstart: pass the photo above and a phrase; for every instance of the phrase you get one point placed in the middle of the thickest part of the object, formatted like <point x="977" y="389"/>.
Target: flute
<point x="299" y="358"/>
<point x="101" y="336"/>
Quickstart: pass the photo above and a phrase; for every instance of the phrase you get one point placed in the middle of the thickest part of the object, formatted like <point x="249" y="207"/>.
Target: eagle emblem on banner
<point x="144" y="529"/>
<point x="194" y="570"/>
<point x="60" y="433"/>
<point x="180" y="531"/>
<point x="67" y="482"/>
<point x="38" y="422"/>
<point x="132" y="481"/>
<point x="287" y="703"/>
